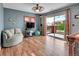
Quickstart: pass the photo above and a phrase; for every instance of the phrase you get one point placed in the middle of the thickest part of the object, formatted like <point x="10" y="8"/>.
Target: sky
<point x="50" y="20"/>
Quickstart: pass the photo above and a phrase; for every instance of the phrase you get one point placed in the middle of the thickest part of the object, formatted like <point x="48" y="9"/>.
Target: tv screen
<point x="30" y="25"/>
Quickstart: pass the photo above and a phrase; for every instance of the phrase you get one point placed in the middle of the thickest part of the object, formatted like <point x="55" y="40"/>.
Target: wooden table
<point x="72" y="39"/>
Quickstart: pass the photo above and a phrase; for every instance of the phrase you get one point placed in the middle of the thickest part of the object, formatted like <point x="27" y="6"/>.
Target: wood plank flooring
<point x="37" y="46"/>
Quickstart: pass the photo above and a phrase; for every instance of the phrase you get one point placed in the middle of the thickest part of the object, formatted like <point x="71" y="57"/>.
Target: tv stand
<point x="28" y="33"/>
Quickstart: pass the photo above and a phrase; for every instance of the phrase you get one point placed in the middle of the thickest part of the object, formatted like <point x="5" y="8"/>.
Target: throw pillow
<point x="9" y="34"/>
<point x="17" y="31"/>
<point x="12" y="31"/>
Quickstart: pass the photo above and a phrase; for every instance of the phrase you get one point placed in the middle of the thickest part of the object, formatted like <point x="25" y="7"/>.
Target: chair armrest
<point x="5" y="36"/>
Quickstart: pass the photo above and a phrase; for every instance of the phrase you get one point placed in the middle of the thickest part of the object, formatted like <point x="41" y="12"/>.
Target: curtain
<point x="67" y="22"/>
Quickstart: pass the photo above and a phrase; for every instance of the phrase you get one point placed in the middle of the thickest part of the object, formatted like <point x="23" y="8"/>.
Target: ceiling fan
<point x="38" y="8"/>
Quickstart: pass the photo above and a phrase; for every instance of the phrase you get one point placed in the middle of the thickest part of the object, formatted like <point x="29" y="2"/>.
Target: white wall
<point x="55" y="14"/>
<point x="74" y="11"/>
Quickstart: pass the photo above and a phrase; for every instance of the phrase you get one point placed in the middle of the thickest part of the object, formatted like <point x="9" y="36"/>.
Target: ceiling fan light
<point x="38" y="8"/>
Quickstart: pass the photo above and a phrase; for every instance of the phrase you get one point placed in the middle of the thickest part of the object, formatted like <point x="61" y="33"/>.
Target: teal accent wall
<point x="37" y="22"/>
<point x="18" y="17"/>
<point x="1" y="20"/>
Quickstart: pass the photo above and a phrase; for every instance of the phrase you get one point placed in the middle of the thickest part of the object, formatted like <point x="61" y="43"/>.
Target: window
<point x="50" y="21"/>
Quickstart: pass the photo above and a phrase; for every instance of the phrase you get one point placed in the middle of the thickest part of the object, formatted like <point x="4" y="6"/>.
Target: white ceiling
<point x="28" y="6"/>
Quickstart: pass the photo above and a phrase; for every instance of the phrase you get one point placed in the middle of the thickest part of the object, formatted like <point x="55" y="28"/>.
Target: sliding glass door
<point x="59" y="30"/>
<point x="56" y="26"/>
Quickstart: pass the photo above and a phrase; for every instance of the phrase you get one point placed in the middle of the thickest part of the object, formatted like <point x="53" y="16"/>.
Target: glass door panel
<point x="59" y="26"/>
<point x="50" y="25"/>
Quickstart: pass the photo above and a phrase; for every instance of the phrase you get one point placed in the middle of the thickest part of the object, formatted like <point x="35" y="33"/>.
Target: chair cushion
<point x="12" y="31"/>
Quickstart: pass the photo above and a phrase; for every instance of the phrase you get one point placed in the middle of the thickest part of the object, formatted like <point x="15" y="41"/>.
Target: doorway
<point x="56" y="26"/>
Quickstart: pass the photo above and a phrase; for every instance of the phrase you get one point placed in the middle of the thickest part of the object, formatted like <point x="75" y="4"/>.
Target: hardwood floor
<point x="37" y="46"/>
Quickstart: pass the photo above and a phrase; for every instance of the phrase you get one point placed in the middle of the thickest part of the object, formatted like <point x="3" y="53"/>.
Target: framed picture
<point x="76" y="16"/>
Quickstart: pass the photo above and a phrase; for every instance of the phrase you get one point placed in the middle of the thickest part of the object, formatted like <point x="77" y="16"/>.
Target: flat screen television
<point x="30" y="25"/>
